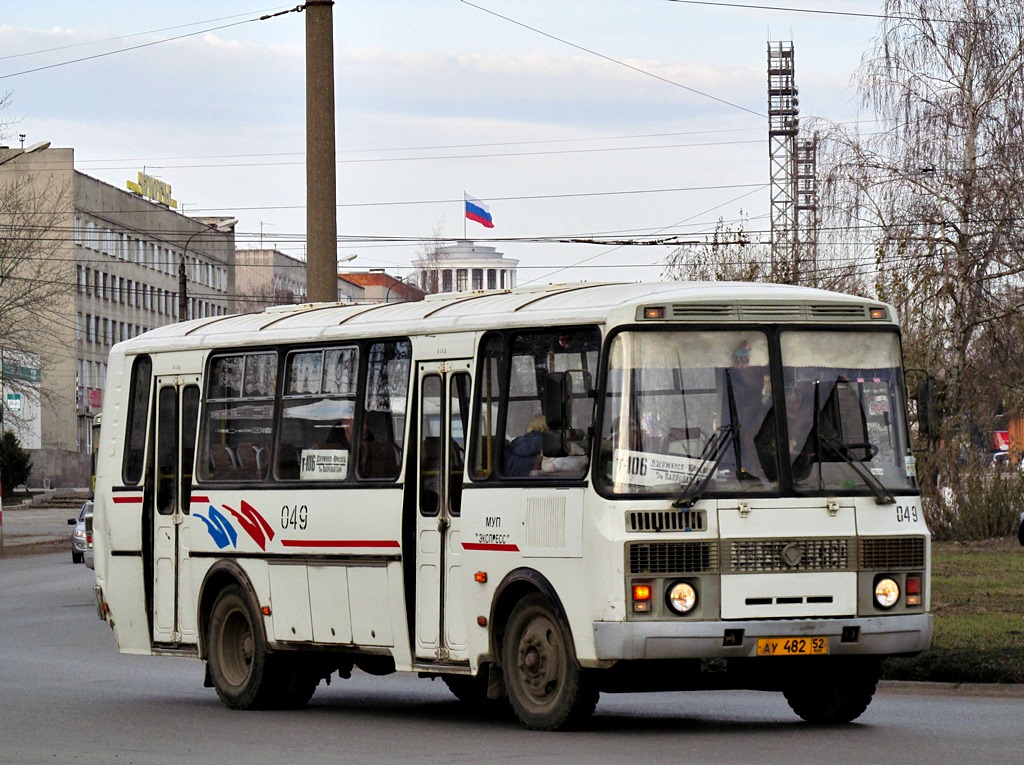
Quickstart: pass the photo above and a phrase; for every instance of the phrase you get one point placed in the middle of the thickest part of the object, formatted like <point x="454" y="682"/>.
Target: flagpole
<point x="465" y="233"/>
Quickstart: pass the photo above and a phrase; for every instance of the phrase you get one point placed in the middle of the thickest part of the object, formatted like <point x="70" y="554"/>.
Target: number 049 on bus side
<point x="792" y="646"/>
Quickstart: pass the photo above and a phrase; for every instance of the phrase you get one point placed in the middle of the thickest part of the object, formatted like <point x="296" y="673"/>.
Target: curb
<point x="990" y="690"/>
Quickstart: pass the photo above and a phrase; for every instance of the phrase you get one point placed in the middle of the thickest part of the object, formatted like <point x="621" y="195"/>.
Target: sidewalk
<point x="41" y="527"/>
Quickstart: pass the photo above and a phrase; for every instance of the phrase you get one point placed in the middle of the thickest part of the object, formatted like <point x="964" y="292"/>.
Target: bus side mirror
<point x="558" y="400"/>
<point x="926" y="421"/>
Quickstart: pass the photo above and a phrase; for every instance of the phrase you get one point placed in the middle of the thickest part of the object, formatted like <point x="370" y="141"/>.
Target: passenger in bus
<point x="337" y="436"/>
<point x="524" y="453"/>
<point x="379" y="454"/>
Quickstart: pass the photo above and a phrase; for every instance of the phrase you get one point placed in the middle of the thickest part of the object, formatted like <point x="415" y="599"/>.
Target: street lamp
<point x="220" y="227"/>
<point x="398" y="280"/>
<point x="30" y="150"/>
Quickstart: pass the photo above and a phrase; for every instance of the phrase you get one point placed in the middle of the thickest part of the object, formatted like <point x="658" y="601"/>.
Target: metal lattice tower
<point x="805" y="182"/>
<point x="783" y="126"/>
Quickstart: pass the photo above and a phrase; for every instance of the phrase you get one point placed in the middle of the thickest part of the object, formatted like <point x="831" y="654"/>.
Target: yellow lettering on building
<point x="153" y="188"/>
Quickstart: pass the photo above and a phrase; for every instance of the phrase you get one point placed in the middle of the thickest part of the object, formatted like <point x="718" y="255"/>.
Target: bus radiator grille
<point x="784" y="555"/>
<point x="890" y="553"/>
<point x="672" y="557"/>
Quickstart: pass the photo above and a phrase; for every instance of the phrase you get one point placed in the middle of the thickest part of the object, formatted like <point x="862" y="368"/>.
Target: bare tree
<point x="730" y="254"/>
<point x="931" y="200"/>
<point x="430" y="254"/>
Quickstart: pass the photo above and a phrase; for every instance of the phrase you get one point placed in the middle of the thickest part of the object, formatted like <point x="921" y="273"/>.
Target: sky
<point x="604" y="120"/>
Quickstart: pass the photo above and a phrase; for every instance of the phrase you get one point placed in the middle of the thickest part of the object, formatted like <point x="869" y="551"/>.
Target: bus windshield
<point x="694" y="412"/>
<point x="844" y="404"/>
<point x="689" y="409"/>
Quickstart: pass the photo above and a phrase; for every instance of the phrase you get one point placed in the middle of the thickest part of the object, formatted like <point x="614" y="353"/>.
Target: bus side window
<point x="549" y="372"/>
<point x="382" y="426"/>
<point x="238" y="417"/>
<point x="138" y="416"/>
<point x="486" y="449"/>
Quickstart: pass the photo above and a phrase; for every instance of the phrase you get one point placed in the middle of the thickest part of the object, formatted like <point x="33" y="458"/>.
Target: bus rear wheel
<point x="547" y="688"/>
<point x="835" y="697"/>
<point x="244" y="673"/>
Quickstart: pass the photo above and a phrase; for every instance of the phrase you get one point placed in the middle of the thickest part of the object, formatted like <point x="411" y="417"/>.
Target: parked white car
<point x="81" y="535"/>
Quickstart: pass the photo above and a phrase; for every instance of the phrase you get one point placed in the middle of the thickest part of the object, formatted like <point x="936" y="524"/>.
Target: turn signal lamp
<point x="480" y="577"/>
<point x="265" y="610"/>
<point x="654" y="312"/>
<point x="641" y="597"/>
<point x="877" y="313"/>
<point x="913" y="590"/>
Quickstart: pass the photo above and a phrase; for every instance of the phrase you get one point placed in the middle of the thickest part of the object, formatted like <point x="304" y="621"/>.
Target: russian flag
<point x="478" y="211"/>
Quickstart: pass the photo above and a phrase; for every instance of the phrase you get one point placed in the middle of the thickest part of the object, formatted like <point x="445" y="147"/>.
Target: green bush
<point x="15" y="465"/>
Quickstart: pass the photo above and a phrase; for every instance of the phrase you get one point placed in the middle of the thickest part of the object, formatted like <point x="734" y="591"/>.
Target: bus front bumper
<point x="866" y="636"/>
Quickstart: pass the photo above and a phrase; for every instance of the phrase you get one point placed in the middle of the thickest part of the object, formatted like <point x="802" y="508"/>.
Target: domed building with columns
<point x="464" y="267"/>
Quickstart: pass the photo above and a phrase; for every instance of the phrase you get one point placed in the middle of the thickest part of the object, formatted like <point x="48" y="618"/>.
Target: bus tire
<point x="296" y="679"/>
<point x="832" y="698"/>
<point x="240" y="667"/>
<point x="547" y="688"/>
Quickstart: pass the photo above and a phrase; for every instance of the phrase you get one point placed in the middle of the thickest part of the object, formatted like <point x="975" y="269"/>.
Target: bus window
<point x="318" y="410"/>
<point x="138" y="415"/>
<point x="189" y="426"/>
<point x="167" y="450"/>
<point x="549" y="404"/>
<point x="458" y="412"/>
<point x="383" y="418"/>
<point x="239" y="416"/>
<point x="486" y="448"/>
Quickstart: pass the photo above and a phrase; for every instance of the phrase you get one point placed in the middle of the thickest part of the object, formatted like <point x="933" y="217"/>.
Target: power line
<point x="489" y="155"/>
<point x="751" y="6"/>
<point x="612" y="60"/>
<point x="141" y="45"/>
<point x="129" y="36"/>
<point x="435" y="147"/>
<point x="819" y="11"/>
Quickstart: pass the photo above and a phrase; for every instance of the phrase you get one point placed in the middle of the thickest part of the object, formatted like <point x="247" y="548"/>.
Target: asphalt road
<point x="67" y="696"/>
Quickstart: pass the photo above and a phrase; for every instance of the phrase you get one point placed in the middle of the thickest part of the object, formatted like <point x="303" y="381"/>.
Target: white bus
<point x="541" y="495"/>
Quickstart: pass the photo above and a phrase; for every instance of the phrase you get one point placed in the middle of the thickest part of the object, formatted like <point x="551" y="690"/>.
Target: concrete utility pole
<point x="321" y="171"/>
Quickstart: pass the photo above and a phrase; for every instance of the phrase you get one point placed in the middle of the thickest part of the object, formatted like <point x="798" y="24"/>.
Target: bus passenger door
<point x="444" y="388"/>
<point x="177" y="415"/>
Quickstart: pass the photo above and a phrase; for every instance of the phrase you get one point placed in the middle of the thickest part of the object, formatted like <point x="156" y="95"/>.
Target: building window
<point x="478" y="278"/>
<point x="461" y="277"/>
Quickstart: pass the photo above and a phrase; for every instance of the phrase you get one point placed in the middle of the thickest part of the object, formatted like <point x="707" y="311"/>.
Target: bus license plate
<point x="792" y="646"/>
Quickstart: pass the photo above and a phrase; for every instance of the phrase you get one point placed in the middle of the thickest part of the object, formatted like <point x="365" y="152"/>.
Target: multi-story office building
<point x="266" y="277"/>
<point x="121" y="254"/>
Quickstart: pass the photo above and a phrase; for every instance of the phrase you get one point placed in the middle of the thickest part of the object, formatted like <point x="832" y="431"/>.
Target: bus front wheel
<point x="547" y="688"/>
<point x="837" y="696"/>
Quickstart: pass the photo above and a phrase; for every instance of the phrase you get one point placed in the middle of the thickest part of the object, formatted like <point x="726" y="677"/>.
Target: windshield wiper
<point x="842" y="450"/>
<point x="882" y="495"/>
<point x="711" y="455"/>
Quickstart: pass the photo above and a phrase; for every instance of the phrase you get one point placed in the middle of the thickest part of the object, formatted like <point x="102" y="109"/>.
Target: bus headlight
<point x="681" y="597"/>
<point x="887" y="592"/>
